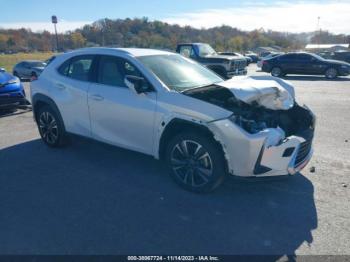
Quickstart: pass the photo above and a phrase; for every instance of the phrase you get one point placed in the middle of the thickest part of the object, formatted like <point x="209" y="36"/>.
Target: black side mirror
<point x="138" y="84"/>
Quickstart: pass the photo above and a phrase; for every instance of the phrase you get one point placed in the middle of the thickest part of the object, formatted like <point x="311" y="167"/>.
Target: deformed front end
<point x="261" y="140"/>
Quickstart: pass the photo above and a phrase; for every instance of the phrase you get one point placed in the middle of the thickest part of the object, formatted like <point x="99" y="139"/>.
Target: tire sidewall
<point x="333" y="77"/>
<point x="216" y="155"/>
<point x="60" y="141"/>
<point x="280" y="74"/>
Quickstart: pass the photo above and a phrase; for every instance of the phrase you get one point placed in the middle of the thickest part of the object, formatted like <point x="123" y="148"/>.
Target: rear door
<point x="304" y="64"/>
<point x="288" y="63"/>
<point x="118" y="115"/>
<point x="70" y="89"/>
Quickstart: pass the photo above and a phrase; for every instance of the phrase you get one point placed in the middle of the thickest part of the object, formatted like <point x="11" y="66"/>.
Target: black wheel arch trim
<point x="38" y="99"/>
<point x="180" y="125"/>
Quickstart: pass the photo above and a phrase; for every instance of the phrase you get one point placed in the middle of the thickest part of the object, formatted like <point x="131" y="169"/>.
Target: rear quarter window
<point x="78" y="68"/>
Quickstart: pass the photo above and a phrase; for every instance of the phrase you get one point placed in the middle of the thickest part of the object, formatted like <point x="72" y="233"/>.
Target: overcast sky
<point x="291" y="16"/>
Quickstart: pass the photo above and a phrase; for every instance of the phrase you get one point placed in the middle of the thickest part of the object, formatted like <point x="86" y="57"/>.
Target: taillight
<point x="33" y="78"/>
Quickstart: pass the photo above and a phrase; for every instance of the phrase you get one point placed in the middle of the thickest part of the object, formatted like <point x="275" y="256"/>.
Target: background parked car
<point x="342" y="56"/>
<point x="253" y="56"/>
<point x="338" y="55"/>
<point x="28" y="69"/>
<point x="305" y="64"/>
<point x="12" y="93"/>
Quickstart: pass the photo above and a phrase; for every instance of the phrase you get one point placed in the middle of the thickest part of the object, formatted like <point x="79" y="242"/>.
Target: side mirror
<point x="2" y="70"/>
<point x="138" y="84"/>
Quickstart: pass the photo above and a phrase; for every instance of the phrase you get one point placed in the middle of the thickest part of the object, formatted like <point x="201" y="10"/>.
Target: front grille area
<point x="303" y="152"/>
<point x="238" y="64"/>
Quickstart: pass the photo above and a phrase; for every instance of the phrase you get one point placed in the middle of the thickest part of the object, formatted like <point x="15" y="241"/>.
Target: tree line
<point x="140" y="32"/>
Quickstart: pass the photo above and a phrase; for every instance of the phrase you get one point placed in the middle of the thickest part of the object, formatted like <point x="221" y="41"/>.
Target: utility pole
<point x="54" y="21"/>
<point x="319" y="31"/>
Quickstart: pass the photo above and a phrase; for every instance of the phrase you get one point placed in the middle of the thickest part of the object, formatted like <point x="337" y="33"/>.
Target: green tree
<point x="78" y="40"/>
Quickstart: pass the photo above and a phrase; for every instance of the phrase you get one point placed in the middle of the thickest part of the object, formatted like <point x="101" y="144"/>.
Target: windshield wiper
<point x="188" y="90"/>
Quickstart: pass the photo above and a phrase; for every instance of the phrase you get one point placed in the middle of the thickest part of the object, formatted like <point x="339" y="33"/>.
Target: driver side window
<point x="113" y="70"/>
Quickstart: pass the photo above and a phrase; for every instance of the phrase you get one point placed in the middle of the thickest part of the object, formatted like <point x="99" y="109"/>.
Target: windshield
<point x="37" y="64"/>
<point x="205" y="50"/>
<point x="179" y="73"/>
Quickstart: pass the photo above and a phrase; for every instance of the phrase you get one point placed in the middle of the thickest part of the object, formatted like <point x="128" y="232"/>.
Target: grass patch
<point x="8" y="61"/>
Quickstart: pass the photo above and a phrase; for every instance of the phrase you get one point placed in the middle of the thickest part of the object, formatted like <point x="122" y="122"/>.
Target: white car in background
<point x="172" y="108"/>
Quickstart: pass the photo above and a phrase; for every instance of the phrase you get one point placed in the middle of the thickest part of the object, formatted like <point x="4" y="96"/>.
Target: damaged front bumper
<point x="266" y="153"/>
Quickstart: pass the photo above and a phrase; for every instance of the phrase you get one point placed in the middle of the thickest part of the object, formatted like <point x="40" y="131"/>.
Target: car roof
<point x="137" y="52"/>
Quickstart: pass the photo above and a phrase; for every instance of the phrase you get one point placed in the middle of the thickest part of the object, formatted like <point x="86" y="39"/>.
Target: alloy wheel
<point x="331" y="73"/>
<point x="191" y="163"/>
<point x="48" y="127"/>
<point x="276" y="72"/>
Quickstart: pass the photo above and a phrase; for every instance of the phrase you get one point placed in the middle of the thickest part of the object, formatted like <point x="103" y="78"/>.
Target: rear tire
<point x="195" y="162"/>
<point x="51" y="128"/>
<point x="331" y="73"/>
<point x="276" y="72"/>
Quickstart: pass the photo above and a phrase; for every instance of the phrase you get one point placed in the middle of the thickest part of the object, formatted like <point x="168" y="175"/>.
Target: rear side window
<point x="304" y="57"/>
<point x="287" y="57"/>
<point x="78" y="67"/>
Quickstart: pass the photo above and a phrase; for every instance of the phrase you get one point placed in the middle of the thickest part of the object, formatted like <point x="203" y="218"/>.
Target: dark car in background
<point x="341" y="56"/>
<point x="337" y="55"/>
<point x="305" y="64"/>
<point x="28" y="69"/>
<point x="12" y="94"/>
<point x="253" y="56"/>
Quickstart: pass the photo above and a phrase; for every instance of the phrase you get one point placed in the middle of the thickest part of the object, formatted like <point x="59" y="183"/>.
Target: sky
<point x="279" y="15"/>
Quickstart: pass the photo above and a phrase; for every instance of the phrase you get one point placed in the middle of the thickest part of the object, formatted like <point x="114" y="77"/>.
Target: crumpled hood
<point x="267" y="91"/>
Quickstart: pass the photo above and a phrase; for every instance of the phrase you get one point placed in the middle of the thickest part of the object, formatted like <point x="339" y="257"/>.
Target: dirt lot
<point x="91" y="198"/>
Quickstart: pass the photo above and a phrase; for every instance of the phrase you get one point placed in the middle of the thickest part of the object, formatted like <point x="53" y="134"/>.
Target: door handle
<point x="60" y="86"/>
<point x="97" y="97"/>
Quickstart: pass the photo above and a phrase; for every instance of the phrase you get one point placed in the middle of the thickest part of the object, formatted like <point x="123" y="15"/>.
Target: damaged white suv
<point x="162" y="104"/>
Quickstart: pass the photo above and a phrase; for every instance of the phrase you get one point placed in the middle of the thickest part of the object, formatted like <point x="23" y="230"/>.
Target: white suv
<point x="162" y="104"/>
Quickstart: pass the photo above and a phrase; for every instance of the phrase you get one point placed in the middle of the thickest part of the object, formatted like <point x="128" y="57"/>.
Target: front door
<point x="118" y="115"/>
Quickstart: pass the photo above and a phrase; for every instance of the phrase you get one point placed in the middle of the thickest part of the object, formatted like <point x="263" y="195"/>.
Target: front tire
<point x="195" y="162"/>
<point x="331" y="73"/>
<point x="50" y="127"/>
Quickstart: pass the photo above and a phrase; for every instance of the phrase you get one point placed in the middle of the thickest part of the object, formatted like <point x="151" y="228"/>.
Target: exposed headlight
<point x="251" y="126"/>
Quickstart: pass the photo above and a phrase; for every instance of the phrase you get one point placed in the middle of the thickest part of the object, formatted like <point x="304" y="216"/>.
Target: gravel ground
<point x="92" y="198"/>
